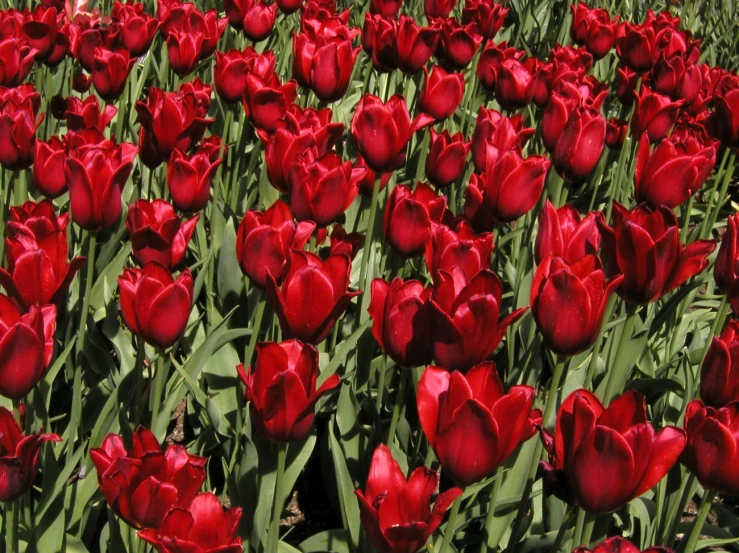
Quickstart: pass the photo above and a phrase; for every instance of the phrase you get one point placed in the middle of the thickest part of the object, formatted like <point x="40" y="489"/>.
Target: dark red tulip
<point x="40" y="28"/>
<point x="564" y="233"/>
<point x="26" y="346"/>
<point x="18" y="124"/>
<point x="232" y="67"/>
<point x="593" y="28"/>
<point x="576" y="292"/>
<point x="381" y="131"/>
<point x="499" y="132"/>
<point x="515" y="83"/>
<point x="16" y="59"/>
<point x="441" y="94"/>
<point x="322" y="188"/>
<point x="313" y="295"/>
<point x="386" y="8"/>
<point x="201" y="29"/>
<point x="380" y="39"/>
<point x="491" y="56"/>
<point x="267" y="101"/>
<point x="711" y="449"/>
<point x="438" y="9"/>
<point x="255" y="18"/>
<point x="110" y="69"/>
<point x="580" y="145"/>
<point x="61" y="47"/>
<point x="726" y="269"/>
<point x="602" y="458"/>
<point x="678" y="76"/>
<point x="726" y="100"/>
<point x="158" y="234"/>
<point x="36" y="250"/>
<point x="281" y="389"/>
<point x="625" y="85"/>
<point x="265" y="239"/>
<point x="616" y="130"/>
<point x="189" y="179"/>
<point x="396" y="514"/>
<point x="143" y="483"/>
<point x="457" y="44"/>
<point x="470" y="307"/>
<point x="202" y="526"/>
<point x="137" y="27"/>
<point x="644" y="245"/>
<point x="18" y="456"/>
<point x="87" y="35"/>
<point x="154" y="305"/>
<point x="367" y="182"/>
<point x="635" y="46"/>
<point x="87" y="114"/>
<point x="183" y="49"/>
<point x="345" y="243"/>
<point x="719" y="382"/>
<point x="472" y="424"/>
<point x="654" y="114"/>
<point x="415" y="45"/>
<point x="289" y="6"/>
<point x="458" y="246"/>
<point x="617" y="544"/>
<point x="563" y="103"/>
<point x="48" y="167"/>
<point x="486" y="14"/>
<point x="81" y="83"/>
<point x="408" y="218"/>
<point x="447" y="158"/>
<point x="675" y="170"/>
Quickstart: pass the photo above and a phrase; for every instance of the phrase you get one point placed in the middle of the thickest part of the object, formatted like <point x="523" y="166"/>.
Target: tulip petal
<point x="667" y="446"/>
<point x="21" y="361"/>
<point x="692" y="259"/>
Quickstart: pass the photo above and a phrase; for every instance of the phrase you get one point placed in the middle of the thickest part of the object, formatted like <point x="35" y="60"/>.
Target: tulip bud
<point x="486" y="14"/>
<point x="580" y="145"/>
<point x="16" y="57"/>
<point x="415" y="45"/>
<point x="726" y="269"/>
<point x="267" y="101"/>
<point x="137" y="27"/>
<point x="18" y="124"/>
<point x="408" y="218"/>
<point x="441" y="93"/>
<point x="654" y="114"/>
<point x="499" y="132"/>
<point x="726" y="101"/>
<point x="189" y="179"/>
<point x="719" y="382"/>
<point x="48" y="167"/>
<point x="386" y="8"/>
<point x="457" y="44"/>
<point x="458" y="246"/>
<point x="594" y="28"/>
<point x="564" y="233"/>
<point x="447" y="158"/>
<point x="110" y="69"/>
<point x="616" y="133"/>
<point x="438" y="9"/>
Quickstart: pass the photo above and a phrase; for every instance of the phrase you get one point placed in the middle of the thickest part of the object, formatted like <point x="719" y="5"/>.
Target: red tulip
<point x="654" y="114"/>
<point x="471" y="423"/>
<point x="267" y="101"/>
<point x="726" y="100"/>
<point x="18" y="124"/>
<point x="110" y="69"/>
<point x="625" y="85"/>
<point x="232" y="67"/>
<point x="48" y="167"/>
<point x="137" y="27"/>
<point x="40" y="29"/>
<point x="142" y="484"/>
<point x="644" y="245"/>
<point x="726" y="269"/>
<point x="458" y="246"/>
<point x="345" y="243"/>
<point x="605" y="457"/>
<point x="635" y="46"/>
<point x="564" y="233"/>
<point x="408" y="218"/>
<point x="386" y="8"/>
<point x="395" y="513"/>
<point x="457" y="44"/>
<point x="678" y="76"/>
<point x="86" y="114"/>
<point x="87" y="35"/>
<point x="447" y="158"/>
<point x="719" y="382"/>
<point x="61" y="47"/>
<point x="18" y="456"/>
<point x="16" y="59"/>
<point x="441" y="94"/>
<point x="154" y="305"/>
<point x="190" y="34"/>
<point x="415" y="45"/>
<point x="183" y="49"/>
<point x="26" y="346"/>
<point x="314" y="294"/>
<point x="580" y="145"/>
<point x="617" y="544"/>
<point x="367" y="182"/>
<point x="189" y="179"/>
<point x="203" y="527"/>
<point x="381" y="131"/>
<point x="81" y="83"/>
<point x="255" y="17"/>
<point x="594" y="28"/>
<point x="567" y="99"/>
<point x="486" y="14"/>
<point x="496" y="131"/>
<point x="515" y="83"/>
<point x="379" y="41"/>
<point x="616" y="133"/>
<point x="438" y="9"/>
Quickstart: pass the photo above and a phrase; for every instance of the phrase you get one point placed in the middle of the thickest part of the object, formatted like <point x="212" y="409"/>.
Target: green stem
<point x="688" y="546"/>
<point x="139" y="368"/>
<point x="274" y="530"/>
<point x="381" y="384"/>
<point x="421" y="167"/>
<point x="160" y="378"/>
<point x="11" y="526"/>
<point x="451" y="526"/>
<point x="256" y="325"/>
<point x="587" y="531"/>
<point x="718" y="323"/>
<point x="712" y="215"/>
<point x="562" y="532"/>
<point x="490" y="518"/>
<point x="368" y="236"/>
<point x="686" y="492"/>
<point x="599" y="343"/>
<point x="4" y="201"/>
<point x="620" y="371"/>
<point x="577" y="535"/>
<point x="399" y="401"/>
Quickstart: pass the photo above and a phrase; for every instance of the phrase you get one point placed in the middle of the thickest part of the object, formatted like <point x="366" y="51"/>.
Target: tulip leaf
<point x="336" y="541"/>
<point x="347" y="498"/>
<point x="342" y="351"/>
<point x="109" y="275"/>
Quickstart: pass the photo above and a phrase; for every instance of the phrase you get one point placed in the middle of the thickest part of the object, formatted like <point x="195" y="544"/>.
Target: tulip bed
<point x="292" y="276"/>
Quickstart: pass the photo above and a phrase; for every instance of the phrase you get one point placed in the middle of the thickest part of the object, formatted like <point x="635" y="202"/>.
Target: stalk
<point x="274" y="529"/>
<point x="399" y="401"/>
<point x="490" y="518"/>
<point x="156" y="399"/>
<point x="620" y="371"/>
<point x="451" y="527"/>
<point x="139" y="368"/>
<point x="688" y="546"/>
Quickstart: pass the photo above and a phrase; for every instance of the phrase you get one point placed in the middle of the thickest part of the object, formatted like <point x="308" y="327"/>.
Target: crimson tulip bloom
<point x="154" y="305"/>
<point x="396" y="514"/>
<point x="379" y="41"/>
<point x="267" y="101"/>
<point x="441" y="94"/>
<point x="515" y="83"/>
<point x="577" y="292"/>
<point x="415" y="45"/>
<point x="202" y="526"/>
<point x="18" y="124"/>
<point x="137" y="27"/>
<point x="367" y="182"/>
<point x="48" y="167"/>
<point x="457" y="44"/>
<point x="635" y="46"/>
<point x="572" y="101"/>
<point x="719" y="382"/>
<point x="143" y="483"/>
<point x="345" y="243"/>
<point x="580" y="145"/>
<point x="255" y="18"/>
<point x="158" y="233"/>
<point x="183" y="49"/>
<point x="438" y="9"/>
<point x="458" y="246"/>
<point x="231" y="68"/>
<point x="110" y="70"/>
<point x="594" y="28"/>
<point x="281" y="389"/>
<point x="386" y="8"/>
<point x="625" y="85"/>
<point x="486" y="15"/>
<point x="616" y="133"/>
<point x="265" y="239"/>
<point x="190" y="35"/>
<point x="494" y="130"/>
<point x="726" y="101"/>
<point x="654" y="114"/>
<point x="726" y="269"/>
<point x="86" y="114"/>
<point x="314" y="294"/>
<point x="447" y="158"/>
<point x="564" y="233"/>
<point x="189" y="179"/>
<point x="17" y="58"/>
<point x="602" y="458"/>
<point x="644" y="245"/>
<point x="26" y="346"/>
<point x="674" y="171"/>
<point x="381" y="131"/>
<point x="471" y="423"/>
<point x="18" y="456"/>
<point x="40" y="29"/>
<point x="408" y="218"/>
<point x="617" y="544"/>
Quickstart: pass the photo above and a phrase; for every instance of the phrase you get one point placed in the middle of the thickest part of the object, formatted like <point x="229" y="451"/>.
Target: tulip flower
<point x="386" y="8"/>
<point x="515" y="83"/>
<point x="580" y="145"/>
<point x="486" y="15"/>
<point x="267" y="101"/>
<point x="726" y="269"/>
<point x="654" y="114"/>
<point x="189" y="179"/>
<point x="572" y="101"/>
<point x="367" y="182"/>
<point x="191" y="35"/>
<point x="625" y="85"/>
<point x="314" y="294"/>
<point x="154" y="305"/>
<point x="396" y="514"/>
<point x="110" y="70"/>
<point x="40" y="29"/>
<point x="202" y="526"/>
<point x="564" y="233"/>
<point x="137" y="27"/>
<point x="26" y="346"/>
<point x="447" y="158"/>
<point x="644" y="245"/>
<point x="158" y="233"/>
<point x="458" y="246"/>
<point x="635" y="46"/>
<point x="678" y="76"/>
<point x="457" y="44"/>
<point x="493" y="130"/>
<point x="726" y="100"/>
<point x="719" y="381"/>
<point x="281" y="389"/>
<point x="414" y="44"/>
<point x="575" y="291"/>
<point x="18" y="456"/>
<point x="231" y="68"/>
<point x="491" y="57"/>
<point x="345" y="243"/>
<point x="602" y="458"/>
<point x="408" y="218"/>
<point x="594" y="28"/>
<point x="616" y="133"/>
<point x="16" y="58"/>
<point x="143" y="483"/>
<point x="48" y="167"/>
<point x="257" y="18"/>
<point x="441" y="94"/>
<point x="183" y="49"/>
<point x="86" y="36"/>
<point x="381" y="131"/>
<point x="379" y="42"/>
<point x="86" y="114"/>
<point x="617" y="544"/>
<point x="265" y="239"/>
<point x="18" y="124"/>
<point x="472" y="424"/>
<point x="438" y="9"/>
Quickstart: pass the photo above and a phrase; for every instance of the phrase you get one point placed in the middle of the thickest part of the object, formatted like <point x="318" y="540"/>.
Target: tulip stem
<point x="686" y="492"/>
<point x="563" y="528"/>
<point x="490" y="517"/>
<point x="381" y="384"/>
<point x="421" y="167"/>
<point x="587" y="531"/>
<point x="599" y="343"/>
<point x="274" y="532"/>
<point x="139" y="368"/>
<point x="451" y="526"/>
<point x="399" y="401"/>
<point x="11" y="526"/>
<point x="620" y="371"/>
<point x="717" y="325"/>
<point x="160" y="377"/>
<point x="368" y="238"/>
<point x="713" y="214"/>
<point x="579" y="524"/>
<point x="256" y="325"/>
<point x="688" y="546"/>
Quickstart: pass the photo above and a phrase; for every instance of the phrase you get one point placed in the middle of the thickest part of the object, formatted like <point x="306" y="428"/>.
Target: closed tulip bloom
<point x="726" y="269"/>
<point x="232" y="67"/>
<point x="408" y="218"/>
<point x="158" y="234"/>
<point x="345" y="243"/>
<point x="644" y="245"/>
<point x="61" y="47"/>
<point x="264" y="241"/>
<point x="563" y="232"/>
<point x="486" y="14"/>
<point x="574" y="291"/>
<point x="674" y="171"/>
<point x="726" y="101"/>
<point x="18" y="124"/>
<point x="494" y="130"/>
<point x="447" y="158"/>
<point x="188" y="24"/>
<point x="457" y="44"/>
<point x="438" y="9"/>
<point x="617" y="544"/>
<point x="625" y="85"/>
<point x="86" y="114"/>
<point x="441" y="94"/>
<point x="515" y="83"/>
<point x="143" y="483"/>
<point x="580" y="145"/>
<point x="18" y="456"/>
<point x="605" y="457"/>
<point x="154" y="305"/>
<point x="137" y="27"/>
<point x="259" y="20"/>
<point x="379" y="42"/>
<point x="719" y="381"/>
<point x="386" y="8"/>
<point x="26" y="346"/>
<point x="654" y="114"/>
<point x="635" y="46"/>
<point x="183" y="49"/>
<point x="281" y="389"/>
<point x="616" y="133"/>
<point x="48" y="167"/>
<point x="458" y="246"/>
<point x="40" y="29"/>
<point x="202" y="526"/>
<point x="472" y="424"/>
<point x="593" y="28"/>
<point x="322" y="188"/>
<point x="189" y="179"/>
<point x="381" y="131"/>
<point x="415" y="45"/>
<point x="16" y="59"/>
<point x="313" y="295"/>
<point x="396" y="513"/>
<point x="110" y="69"/>
<point x="267" y="101"/>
